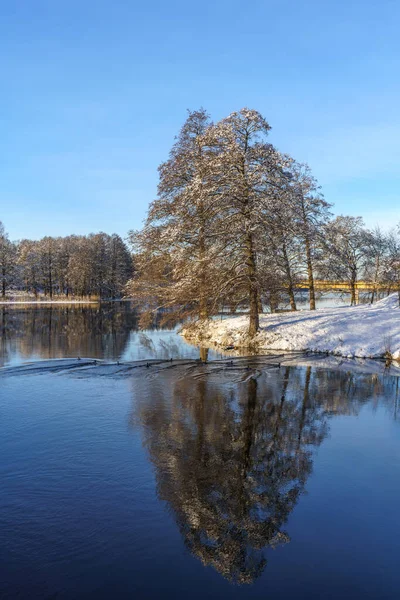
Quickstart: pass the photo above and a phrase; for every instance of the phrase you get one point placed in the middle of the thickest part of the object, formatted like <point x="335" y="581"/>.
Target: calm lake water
<point x="227" y="480"/>
<point x="107" y="331"/>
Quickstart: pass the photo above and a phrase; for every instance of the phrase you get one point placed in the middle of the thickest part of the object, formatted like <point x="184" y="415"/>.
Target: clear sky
<point x="93" y="93"/>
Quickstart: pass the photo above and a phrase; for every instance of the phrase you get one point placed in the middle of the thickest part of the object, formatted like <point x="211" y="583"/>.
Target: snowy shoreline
<point x="365" y="331"/>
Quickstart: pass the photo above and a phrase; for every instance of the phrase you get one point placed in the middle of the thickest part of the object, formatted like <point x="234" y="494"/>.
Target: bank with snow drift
<point x="365" y="331"/>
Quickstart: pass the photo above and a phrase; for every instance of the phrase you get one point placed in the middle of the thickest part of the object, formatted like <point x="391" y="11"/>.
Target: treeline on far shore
<point x="76" y="266"/>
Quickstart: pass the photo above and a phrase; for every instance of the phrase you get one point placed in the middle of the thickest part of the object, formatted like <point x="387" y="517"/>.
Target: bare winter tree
<point x="311" y="214"/>
<point x="177" y="250"/>
<point x="48" y="247"/>
<point x="346" y="249"/>
<point x="392" y="262"/>
<point x="376" y="246"/>
<point x="95" y="265"/>
<point x="7" y="260"/>
<point x="243" y="173"/>
<point x="120" y="265"/>
<point x="231" y="223"/>
<point x="284" y="245"/>
<point x="28" y="260"/>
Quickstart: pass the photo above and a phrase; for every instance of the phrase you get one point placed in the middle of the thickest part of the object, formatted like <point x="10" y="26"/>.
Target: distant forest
<point x="93" y="266"/>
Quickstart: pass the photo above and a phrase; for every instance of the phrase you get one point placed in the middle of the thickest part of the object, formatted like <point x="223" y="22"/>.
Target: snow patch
<point x="365" y="331"/>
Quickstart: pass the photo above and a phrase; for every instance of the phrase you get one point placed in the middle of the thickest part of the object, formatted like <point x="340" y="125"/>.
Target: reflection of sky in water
<point x="162" y="344"/>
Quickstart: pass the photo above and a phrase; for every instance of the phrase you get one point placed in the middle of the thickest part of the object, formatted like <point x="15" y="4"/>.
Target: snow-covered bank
<point x="366" y="331"/>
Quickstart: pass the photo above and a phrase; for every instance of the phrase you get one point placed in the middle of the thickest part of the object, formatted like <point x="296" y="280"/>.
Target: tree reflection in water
<point x="65" y="331"/>
<point x="105" y="331"/>
<point x="232" y="460"/>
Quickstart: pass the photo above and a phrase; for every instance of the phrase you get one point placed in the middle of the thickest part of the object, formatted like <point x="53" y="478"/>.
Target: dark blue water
<point x="201" y="481"/>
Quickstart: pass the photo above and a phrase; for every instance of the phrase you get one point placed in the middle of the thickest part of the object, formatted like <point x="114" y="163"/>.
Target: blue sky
<point x="93" y="93"/>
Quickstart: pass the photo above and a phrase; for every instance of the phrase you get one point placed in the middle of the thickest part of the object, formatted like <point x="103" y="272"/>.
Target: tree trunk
<point x="375" y="288"/>
<point x="203" y="354"/>
<point x="353" y="300"/>
<point x="253" y="287"/>
<point x="3" y="283"/>
<point x="273" y="302"/>
<point x="291" y="297"/>
<point x="50" y="282"/>
<point x="254" y="318"/>
<point x="289" y="278"/>
<point x="203" y="309"/>
<point x="310" y="274"/>
<point x="250" y="261"/>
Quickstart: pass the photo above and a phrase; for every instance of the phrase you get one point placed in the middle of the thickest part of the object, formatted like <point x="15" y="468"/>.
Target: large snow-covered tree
<point x="231" y="224"/>
<point x="244" y="171"/>
<point x="177" y="251"/>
